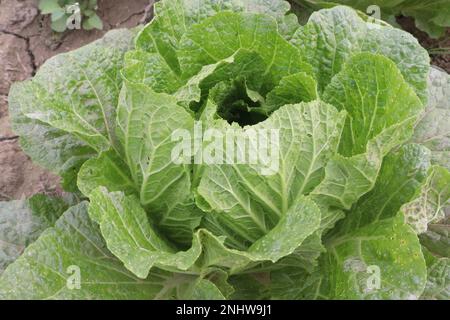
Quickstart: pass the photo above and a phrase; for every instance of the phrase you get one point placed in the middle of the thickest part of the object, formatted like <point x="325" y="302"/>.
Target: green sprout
<point x="72" y="14"/>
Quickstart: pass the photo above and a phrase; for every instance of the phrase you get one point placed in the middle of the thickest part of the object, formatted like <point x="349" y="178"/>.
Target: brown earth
<point x="27" y="41"/>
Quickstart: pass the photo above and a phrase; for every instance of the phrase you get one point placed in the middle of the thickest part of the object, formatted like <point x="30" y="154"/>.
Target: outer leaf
<point x="303" y="261"/>
<point x="248" y="287"/>
<point x="301" y="220"/>
<point x="294" y="228"/>
<point x="51" y="122"/>
<point x="90" y="78"/>
<point x="294" y="284"/>
<point x="54" y="149"/>
<point x="372" y="90"/>
<point x="22" y="221"/>
<point x="374" y="234"/>
<point x="206" y="290"/>
<point x="130" y="236"/>
<point x="41" y="271"/>
<point x="347" y="179"/>
<point x="146" y="121"/>
<point x="389" y="246"/>
<point x="359" y="238"/>
<point x="376" y="124"/>
<point x="107" y="170"/>
<point x="431" y="202"/>
<point x="48" y="268"/>
<point x="401" y="175"/>
<point x="152" y="70"/>
<point x="433" y="129"/>
<point x="332" y="36"/>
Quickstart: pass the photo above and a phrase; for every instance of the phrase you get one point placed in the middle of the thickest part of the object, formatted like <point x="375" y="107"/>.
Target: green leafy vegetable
<point x="77" y="265"/>
<point x="229" y="152"/>
<point x="433" y="129"/>
<point x="23" y="221"/>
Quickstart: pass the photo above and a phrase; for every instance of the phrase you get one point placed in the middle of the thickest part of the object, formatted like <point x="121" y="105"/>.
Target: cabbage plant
<point x="351" y="211"/>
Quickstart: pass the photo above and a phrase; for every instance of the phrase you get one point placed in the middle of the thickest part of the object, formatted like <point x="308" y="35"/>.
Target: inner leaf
<point x="236" y="103"/>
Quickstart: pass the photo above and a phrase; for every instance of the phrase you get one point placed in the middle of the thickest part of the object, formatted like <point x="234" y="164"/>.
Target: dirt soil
<point x="27" y="41"/>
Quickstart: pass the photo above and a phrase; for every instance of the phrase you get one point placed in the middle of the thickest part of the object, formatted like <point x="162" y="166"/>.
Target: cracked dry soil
<point x="26" y="42"/>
